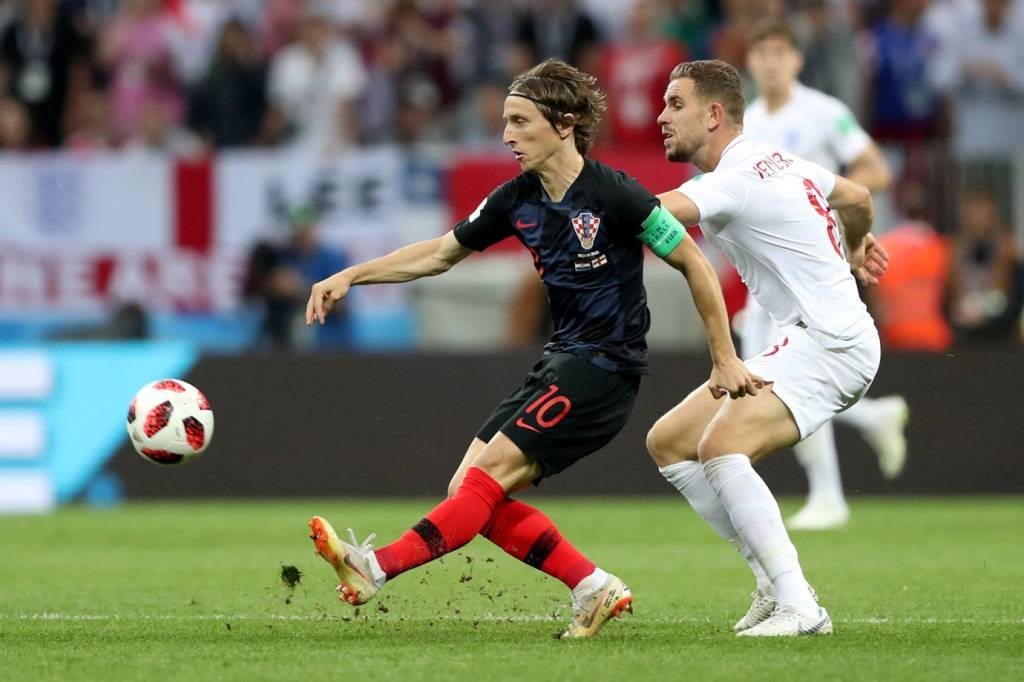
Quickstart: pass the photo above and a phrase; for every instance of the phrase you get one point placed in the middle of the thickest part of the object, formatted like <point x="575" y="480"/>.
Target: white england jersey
<point x="767" y="209"/>
<point x="812" y="125"/>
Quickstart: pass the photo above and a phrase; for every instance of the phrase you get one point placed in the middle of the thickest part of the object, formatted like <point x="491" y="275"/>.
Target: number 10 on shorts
<point x="547" y="410"/>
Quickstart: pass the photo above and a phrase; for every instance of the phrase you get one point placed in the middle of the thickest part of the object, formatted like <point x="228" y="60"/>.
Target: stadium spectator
<point x="729" y="40"/>
<point x="981" y="67"/>
<point x="908" y="301"/>
<point x="229" y="105"/>
<point x="279" y="276"/>
<point x="41" y="57"/>
<point x="88" y="126"/>
<point x="15" y="127"/>
<point x="689" y="23"/>
<point x="156" y="131"/>
<point x="556" y="29"/>
<point x="901" y="102"/>
<point x="634" y="68"/>
<point x="986" y="278"/>
<point x="314" y="86"/>
<point x="826" y="32"/>
<point x="481" y="123"/>
<point x="137" y="49"/>
<point x="486" y="31"/>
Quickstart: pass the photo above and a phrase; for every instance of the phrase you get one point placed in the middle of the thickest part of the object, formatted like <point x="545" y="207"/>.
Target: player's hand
<point x="324" y="295"/>
<point x="869" y="261"/>
<point x="732" y="378"/>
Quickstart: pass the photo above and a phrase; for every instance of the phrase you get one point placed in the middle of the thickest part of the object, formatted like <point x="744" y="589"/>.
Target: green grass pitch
<point x="918" y="590"/>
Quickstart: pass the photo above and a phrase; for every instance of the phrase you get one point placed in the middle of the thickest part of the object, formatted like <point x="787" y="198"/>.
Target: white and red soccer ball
<point x="170" y="422"/>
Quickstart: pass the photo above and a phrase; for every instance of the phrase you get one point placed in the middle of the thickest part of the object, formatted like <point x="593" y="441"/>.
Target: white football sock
<point x="591" y="583"/>
<point x="376" y="572"/>
<point x="817" y="455"/>
<point x="688" y="478"/>
<point x="755" y="515"/>
<point x="864" y="413"/>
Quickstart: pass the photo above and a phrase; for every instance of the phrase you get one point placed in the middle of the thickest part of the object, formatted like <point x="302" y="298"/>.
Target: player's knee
<point x="712" y="444"/>
<point x="662" y="448"/>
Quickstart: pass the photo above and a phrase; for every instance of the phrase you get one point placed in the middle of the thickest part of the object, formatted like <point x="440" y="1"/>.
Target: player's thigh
<point x="676" y="435"/>
<point x="474" y="450"/>
<point x="501" y="459"/>
<point x="753" y="425"/>
<point x="506" y="463"/>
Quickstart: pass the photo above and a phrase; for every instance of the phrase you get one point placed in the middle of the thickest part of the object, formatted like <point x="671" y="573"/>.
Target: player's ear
<point x="716" y="116"/>
<point x="566" y="125"/>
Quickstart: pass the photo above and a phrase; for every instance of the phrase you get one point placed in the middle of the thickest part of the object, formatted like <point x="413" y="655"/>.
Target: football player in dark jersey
<point x="585" y="225"/>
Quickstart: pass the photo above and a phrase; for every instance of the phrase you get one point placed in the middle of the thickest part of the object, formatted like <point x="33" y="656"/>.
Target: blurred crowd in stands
<point x="940" y="83"/>
<point x="326" y="74"/>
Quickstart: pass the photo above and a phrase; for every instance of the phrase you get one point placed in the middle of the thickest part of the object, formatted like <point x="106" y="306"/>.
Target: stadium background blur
<point x="177" y="172"/>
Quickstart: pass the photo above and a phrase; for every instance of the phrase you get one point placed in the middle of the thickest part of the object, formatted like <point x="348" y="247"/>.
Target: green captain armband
<point x="662" y="232"/>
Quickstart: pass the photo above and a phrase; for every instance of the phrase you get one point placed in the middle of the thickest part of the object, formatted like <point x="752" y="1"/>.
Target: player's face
<point x="774" y="64"/>
<point x="683" y="121"/>
<point x="528" y="134"/>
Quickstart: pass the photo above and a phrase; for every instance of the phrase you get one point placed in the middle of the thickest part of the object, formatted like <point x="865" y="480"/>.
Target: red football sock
<point x="530" y="536"/>
<point x="449" y="526"/>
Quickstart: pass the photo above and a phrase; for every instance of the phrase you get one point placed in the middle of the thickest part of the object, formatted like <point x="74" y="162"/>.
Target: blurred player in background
<point x="770" y="212"/>
<point x="821" y="129"/>
<point x="585" y="225"/>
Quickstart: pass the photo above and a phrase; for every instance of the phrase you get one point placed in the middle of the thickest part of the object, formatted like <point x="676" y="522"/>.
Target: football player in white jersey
<point x="770" y="212"/>
<point x="818" y="128"/>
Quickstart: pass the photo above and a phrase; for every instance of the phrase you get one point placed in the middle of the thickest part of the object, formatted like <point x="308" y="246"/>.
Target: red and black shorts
<point x="566" y="409"/>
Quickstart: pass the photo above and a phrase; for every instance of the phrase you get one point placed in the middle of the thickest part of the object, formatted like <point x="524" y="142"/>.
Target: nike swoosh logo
<point x="801" y="630"/>
<point x="520" y="225"/>
<point x="520" y="422"/>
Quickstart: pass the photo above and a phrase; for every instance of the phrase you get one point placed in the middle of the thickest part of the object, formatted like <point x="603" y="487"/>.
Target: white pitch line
<point x="487" y="617"/>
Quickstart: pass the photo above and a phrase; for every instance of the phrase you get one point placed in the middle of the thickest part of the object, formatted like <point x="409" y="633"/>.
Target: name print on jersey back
<point x="796" y="268"/>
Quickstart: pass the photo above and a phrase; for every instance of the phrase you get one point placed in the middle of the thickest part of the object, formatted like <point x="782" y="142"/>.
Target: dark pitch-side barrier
<point x="382" y="425"/>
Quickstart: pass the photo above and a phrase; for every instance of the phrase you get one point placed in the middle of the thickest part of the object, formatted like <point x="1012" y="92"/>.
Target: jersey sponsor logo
<point x="585" y="225"/>
<point x="520" y="225"/>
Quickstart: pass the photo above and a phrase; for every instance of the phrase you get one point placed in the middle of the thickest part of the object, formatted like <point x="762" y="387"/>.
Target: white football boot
<point x="594" y="610"/>
<point x="762" y="606"/>
<point x="786" y="622"/>
<point x="887" y="437"/>
<point x="820" y="515"/>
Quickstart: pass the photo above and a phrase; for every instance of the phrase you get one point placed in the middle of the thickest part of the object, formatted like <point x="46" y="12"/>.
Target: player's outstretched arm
<point x="422" y="259"/>
<point x="666" y="237"/>
<point x="729" y="375"/>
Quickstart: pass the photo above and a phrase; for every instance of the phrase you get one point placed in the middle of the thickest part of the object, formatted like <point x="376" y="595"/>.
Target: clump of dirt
<point x="291" y="576"/>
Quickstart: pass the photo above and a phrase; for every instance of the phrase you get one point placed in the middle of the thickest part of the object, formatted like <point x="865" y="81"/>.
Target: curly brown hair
<point x="559" y="89"/>
<point x="716" y="80"/>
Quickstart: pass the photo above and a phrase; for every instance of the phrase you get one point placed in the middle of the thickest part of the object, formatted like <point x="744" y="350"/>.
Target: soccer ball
<point x="170" y="422"/>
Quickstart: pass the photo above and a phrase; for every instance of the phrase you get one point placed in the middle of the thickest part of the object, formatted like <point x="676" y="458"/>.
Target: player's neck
<point x="561" y="170"/>
<point x="773" y="101"/>
<point x="708" y="158"/>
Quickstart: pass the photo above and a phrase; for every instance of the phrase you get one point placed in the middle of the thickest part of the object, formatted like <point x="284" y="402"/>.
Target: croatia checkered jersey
<point x="767" y="209"/>
<point x="587" y="249"/>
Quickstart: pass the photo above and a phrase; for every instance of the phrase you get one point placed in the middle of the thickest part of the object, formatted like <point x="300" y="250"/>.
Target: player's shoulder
<point x="818" y="100"/>
<point x="517" y="190"/>
<point x="611" y="184"/>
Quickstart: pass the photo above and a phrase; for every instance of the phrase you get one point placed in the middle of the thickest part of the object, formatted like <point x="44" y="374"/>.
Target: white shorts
<point x="815" y="382"/>
<point x="757" y="330"/>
